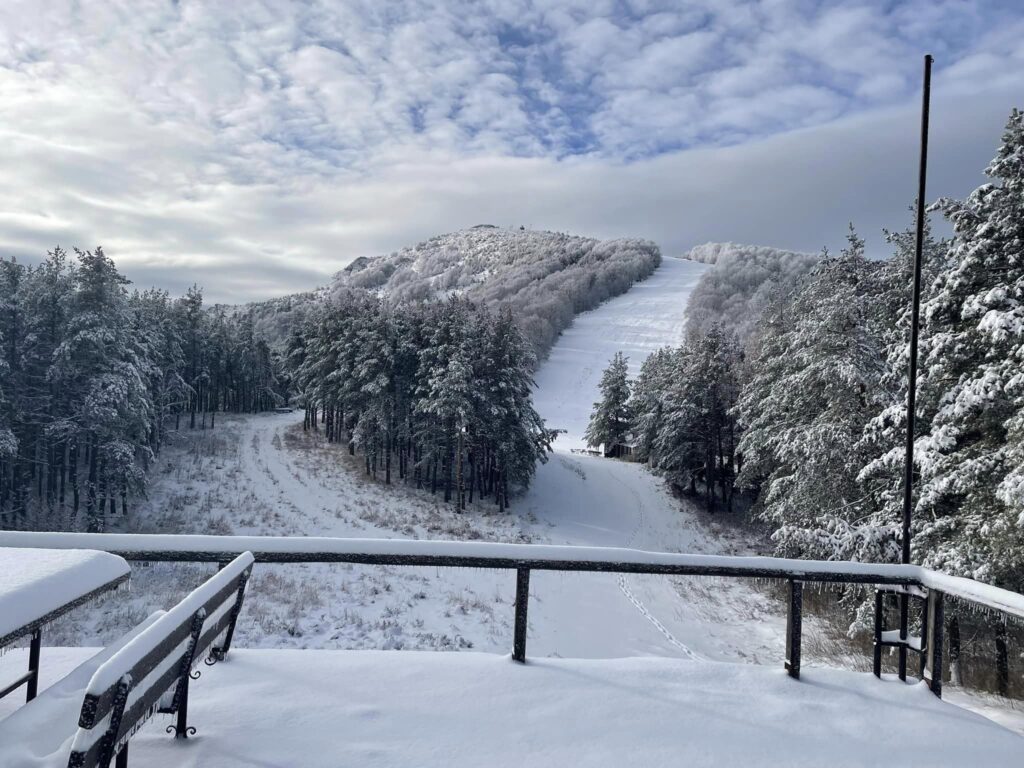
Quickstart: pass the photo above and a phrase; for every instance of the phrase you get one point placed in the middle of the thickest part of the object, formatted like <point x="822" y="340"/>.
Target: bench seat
<point x="40" y="732"/>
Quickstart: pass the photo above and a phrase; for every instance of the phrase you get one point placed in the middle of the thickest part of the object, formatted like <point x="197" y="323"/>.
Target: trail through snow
<point x="575" y="499"/>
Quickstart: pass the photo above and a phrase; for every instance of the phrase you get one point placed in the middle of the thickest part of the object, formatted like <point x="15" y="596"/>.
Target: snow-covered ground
<point x="374" y="708"/>
<point x="262" y="475"/>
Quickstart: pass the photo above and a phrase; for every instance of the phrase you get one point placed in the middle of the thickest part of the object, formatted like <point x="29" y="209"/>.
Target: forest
<point x="798" y="400"/>
<point x="420" y="362"/>
<point x="93" y="375"/>
<point x="436" y="394"/>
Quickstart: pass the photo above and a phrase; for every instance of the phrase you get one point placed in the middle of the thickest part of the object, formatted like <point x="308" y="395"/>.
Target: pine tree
<point x="873" y="533"/>
<point x="683" y="405"/>
<point x="610" y="420"/>
<point x="971" y="501"/>
<point x="811" y="392"/>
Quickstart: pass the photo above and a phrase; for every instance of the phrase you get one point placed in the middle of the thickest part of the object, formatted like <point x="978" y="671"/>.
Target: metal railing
<point x="930" y="586"/>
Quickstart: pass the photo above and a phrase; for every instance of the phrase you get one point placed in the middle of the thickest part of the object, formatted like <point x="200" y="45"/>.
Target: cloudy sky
<point x="257" y="147"/>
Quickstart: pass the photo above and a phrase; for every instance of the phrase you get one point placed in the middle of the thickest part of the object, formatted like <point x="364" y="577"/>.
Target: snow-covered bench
<point x="41" y="732"/>
<point x="131" y="685"/>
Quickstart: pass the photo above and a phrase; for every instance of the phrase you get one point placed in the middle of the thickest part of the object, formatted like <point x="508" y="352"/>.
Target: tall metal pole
<point x="908" y="469"/>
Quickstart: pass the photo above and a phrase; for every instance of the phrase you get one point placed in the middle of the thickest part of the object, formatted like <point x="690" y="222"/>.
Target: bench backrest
<point x="126" y="690"/>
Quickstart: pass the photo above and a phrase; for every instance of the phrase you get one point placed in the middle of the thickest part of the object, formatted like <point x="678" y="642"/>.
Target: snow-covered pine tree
<point x="873" y="535"/>
<point x="683" y="413"/>
<point x="811" y="392"/>
<point x="517" y="439"/>
<point x="971" y="500"/>
<point x="610" y="420"/>
<point x="442" y="387"/>
<point x="648" y="402"/>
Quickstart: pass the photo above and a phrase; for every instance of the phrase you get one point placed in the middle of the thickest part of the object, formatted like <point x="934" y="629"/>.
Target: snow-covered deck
<point x="339" y="708"/>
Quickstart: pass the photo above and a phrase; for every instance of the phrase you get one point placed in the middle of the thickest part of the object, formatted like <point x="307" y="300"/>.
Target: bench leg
<point x="181" y="728"/>
<point x="122" y="757"/>
<point x="32" y="687"/>
<point x="218" y="653"/>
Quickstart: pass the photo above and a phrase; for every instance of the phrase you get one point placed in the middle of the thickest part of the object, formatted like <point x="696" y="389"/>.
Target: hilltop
<point x="545" y="277"/>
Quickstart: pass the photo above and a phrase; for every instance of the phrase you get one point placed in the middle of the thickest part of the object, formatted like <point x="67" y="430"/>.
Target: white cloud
<point x="257" y="151"/>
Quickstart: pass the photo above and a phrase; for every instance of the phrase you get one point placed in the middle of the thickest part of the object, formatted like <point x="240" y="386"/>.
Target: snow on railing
<point x="269" y="549"/>
<point x="159" y="547"/>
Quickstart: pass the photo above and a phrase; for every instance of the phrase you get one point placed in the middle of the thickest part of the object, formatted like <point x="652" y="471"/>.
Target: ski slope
<point x="587" y="500"/>
<point x="652" y="314"/>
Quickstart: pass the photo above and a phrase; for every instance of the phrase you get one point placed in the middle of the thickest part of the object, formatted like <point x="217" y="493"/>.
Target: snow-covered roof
<point x="35" y="583"/>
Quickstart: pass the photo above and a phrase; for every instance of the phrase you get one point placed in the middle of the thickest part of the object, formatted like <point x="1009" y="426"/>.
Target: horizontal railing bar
<point x="17" y="683"/>
<point x="459" y="554"/>
<point x="541" y="557"/>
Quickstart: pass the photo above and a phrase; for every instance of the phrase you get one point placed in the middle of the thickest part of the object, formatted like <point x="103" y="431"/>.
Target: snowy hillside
<point x="546" y="277"/>
<point x="261" y="474"/>
<point x="740" y="282"/>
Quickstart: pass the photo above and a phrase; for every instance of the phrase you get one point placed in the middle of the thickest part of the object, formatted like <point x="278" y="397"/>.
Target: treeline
<point x="742" y="283"/>
<point x="810" y="416"/>
<point x="92" y="377"/>
<point x="436" y="394"/>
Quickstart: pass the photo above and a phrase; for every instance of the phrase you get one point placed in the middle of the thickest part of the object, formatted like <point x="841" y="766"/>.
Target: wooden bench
<point x="151" y="672"/>
<point x="41" y="732"/>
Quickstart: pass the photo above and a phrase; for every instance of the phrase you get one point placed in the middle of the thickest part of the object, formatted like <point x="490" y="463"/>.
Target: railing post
<point x="933" y="653"/>
<point x="904" y="633"/>
<point x="1002" y="657"/>
<point x="32" y="685"/>
<point x="926" y="611"/>
<point x="522" y="598"/>
<point x="879" y="618"/>
<point x="794" y="626"/>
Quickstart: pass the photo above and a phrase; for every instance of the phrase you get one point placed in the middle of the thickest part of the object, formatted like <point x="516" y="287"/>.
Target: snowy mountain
<point x="546" y="277"/>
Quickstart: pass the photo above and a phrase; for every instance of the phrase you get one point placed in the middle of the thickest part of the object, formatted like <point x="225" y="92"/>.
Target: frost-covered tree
<point x="812" y="390"/>
<point x="971" y="500"/>
<point x="91" y="377"/>
<point x="682" y="409"/>
<point x="741" y="284"/>
<point x="610" y="421"/>
<point x="546" y="278"/>
<point x="873" y="531"/>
